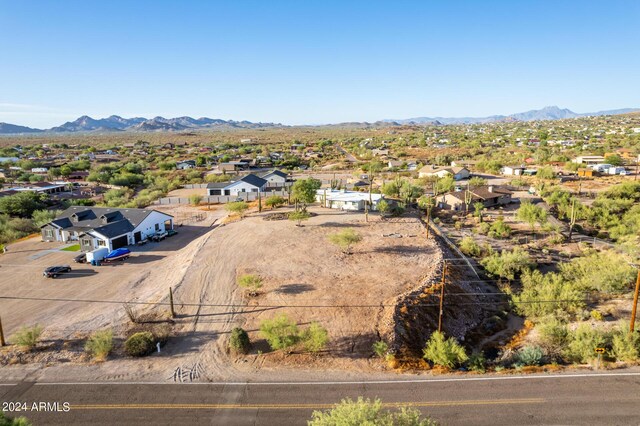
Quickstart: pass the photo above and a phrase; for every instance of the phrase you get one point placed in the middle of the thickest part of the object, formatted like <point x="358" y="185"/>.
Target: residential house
<point x="248" y="183"/>
<point x="96" y="227"/>
<point x="458" y="173"/>
<point x="275" y="178"/>
<point x="347" y="200"/>
<point x="39" y="170"/>
<point x="512" y="170"/>
<point x="232" y="166"/>
<point x="488" y="195"/>
<point x="186" y="164"/>
<point x="588" y="159"/>
<point x="395" y="164"/>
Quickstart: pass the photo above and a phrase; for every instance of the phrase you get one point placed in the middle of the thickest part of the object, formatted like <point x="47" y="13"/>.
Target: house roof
<point x="351" y="196"/>
<point x="435" y="169"/>
<point x="274" y="172"/>
<point x="254" y="180"/>
<point x="109" y="222"/>
<point x="483" y="193"/>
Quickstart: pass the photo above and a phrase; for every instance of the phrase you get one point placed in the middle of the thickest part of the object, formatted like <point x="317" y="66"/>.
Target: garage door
<point x="119" y="242"/>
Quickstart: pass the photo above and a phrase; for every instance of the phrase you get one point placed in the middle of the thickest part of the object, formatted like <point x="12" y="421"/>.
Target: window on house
<point x="48" y="233"/>
<point x="101" y="243"/>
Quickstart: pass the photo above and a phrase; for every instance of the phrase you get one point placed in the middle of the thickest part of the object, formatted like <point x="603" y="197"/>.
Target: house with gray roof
<point x="248" y="183"/>
<point x="96" y="227"/>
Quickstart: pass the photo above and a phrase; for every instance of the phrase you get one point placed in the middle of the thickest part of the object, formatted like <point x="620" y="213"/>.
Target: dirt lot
<point x="299" y="266"/>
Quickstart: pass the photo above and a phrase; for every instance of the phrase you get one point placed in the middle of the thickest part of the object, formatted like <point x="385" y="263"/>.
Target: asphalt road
<point x="588" y="399"/>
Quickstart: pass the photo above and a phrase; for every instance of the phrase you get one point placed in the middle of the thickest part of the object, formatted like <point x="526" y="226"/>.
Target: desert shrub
<point x="345" y="239"/>
<point x="554" y="334"/>
<point x="469" y="247"/>
<point x="582" y="343"/>
<point x="275" y="201"/>
<point x="315" y="337"/>
<point x="299" y="217"/>
<point x="625" y="345"/>
<point x="195" y="199"/>
<point x="28" y="337"/>
<point x="280" y="332"/>
<point x="539" y="288"/>
<point x="214" y="178"/>
<point x="367" y="412"/>
<point x="477" y="362"/>
<point x="238" y="207"/>
<point x="499" y="229"/>
<point x="239" y="341"/>
<point x="530" y="355"/>
<point x="484" y="228"/>
<point x="605" y="271"/>
<point x="380" y="348"/>
<point x="596" y="315"/>
<point x="507" y="264"/>
<point x="13" y="421"/>
<point x="139" y="344"/>
<point x="251" y="282"/>
<point x="444" y="352"/>
<point x="100" y="344"/>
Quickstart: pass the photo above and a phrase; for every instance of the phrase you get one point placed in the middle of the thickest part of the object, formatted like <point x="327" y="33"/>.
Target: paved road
<point x="589" y="399"/>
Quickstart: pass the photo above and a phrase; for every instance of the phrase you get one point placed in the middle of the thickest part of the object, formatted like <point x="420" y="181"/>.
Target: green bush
<point x="315" y="337"/>
<point x="16" y="421"/>
<point x="625" y="345"/>
<point x="596" y="315"/>
<point x="477" y="362"/>
<point x="554" y="334"/>
<point x="139" y="344"/>
<point x="469" y="247"/>
<point x="367" y="412"/>
<point x="275" y="201"/>
<point x="28" y="337"/>
<point x="239" y="341"/>
<point x="280" y="332"/>
<point x="499" y="229"/>
<point x="380" y="348"/>
<point x="539" y="288"/>
<point x="582" y="343"/>
<point x="251" y="282"/>
<point x="444" y="352"/>
<point x="530" y="355"/>
<point x="507" y="264"/>
<point x="100" y="344"/>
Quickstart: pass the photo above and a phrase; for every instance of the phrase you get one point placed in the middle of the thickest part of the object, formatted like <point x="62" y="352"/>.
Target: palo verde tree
<point x="345" y="239"/>
<point x="299" y="216"/>
<point x="532" y="214"/>
<point x="304" y="191"/>
<point x="238" y="207"/>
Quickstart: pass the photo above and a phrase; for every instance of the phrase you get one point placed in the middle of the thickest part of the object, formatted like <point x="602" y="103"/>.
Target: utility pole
<point x="173" y="312"/>
<point x="635" y="303"/>
<point x="444" y="275"/>
<point x="2" y="342"/>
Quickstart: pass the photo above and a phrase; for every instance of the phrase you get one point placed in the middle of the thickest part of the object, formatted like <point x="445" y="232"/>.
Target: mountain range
<point x="546" y="113"/>
<point x="116" y="123"/>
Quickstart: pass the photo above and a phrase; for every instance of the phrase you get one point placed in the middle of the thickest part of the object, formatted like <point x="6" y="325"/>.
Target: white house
<point x="512" y="170"/>
<point x="39" y="170"/>
<point x="346" y="200"/>
<point x="275" y="178"/>
<point x="96" y="227"/>
<point x="186" y="164"/>
<point x="458" y="173"/>
<point x="588" y="159"/>
<point x="248" y="183"/>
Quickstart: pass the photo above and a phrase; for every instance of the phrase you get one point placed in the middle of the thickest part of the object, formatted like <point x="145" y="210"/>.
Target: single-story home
<point x="275" y="178"/>
<point x="489" y="196"/>
<point x="512" y="170"/>
<point x="458" y="173"/>
<point x="186" y="164"/>
<point x="42" y="187"/>
<point x="588" y="159"/>
<point x="96" y="227"/>
<point x="346" y="200"/>
<point x="248" y="183"/>
<point x="232" y="166"/>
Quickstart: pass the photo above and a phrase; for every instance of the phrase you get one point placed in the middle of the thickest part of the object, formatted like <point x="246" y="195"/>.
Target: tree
<point x="42" y="217"/>
<point x="239" y="341"/>
<point x="614" y="160"/>
<point x="345" y="239"/>
<point x="444" y="352"/>
<point x="22" y="204"/>
<point x="507" y="264"/>
<point x="237" y="207"/>
<point x="299" y="216"/>
<point x="477" y="181"/>
<point x="280" y="332"/>
<point x="275" y="201"/>
<point x="251" y="282"/>
<point x="367" y="412"/>
<point x="304" y="191"/>
<point x="383" y="207"/>
<point x="315" y="337"/>
<point x="532" y="214"/>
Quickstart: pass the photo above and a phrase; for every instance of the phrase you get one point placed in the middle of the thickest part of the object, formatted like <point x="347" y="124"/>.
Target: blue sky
<point x="310" y="61"/>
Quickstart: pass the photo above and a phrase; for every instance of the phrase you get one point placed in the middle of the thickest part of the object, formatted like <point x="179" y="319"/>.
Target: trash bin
<point x="97" y="262"/>
<point x="93" y="262"/>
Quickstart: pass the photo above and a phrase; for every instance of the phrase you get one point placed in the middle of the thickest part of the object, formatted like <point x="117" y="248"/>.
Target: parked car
<point x="81" y="258"/>
<point x="171" y="233"/>
<point x="158" y="236"/>
<point x="54" y="271"/>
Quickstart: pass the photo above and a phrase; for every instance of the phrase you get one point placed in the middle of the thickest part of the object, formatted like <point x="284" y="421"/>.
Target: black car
<point x="81" y="258"/>
<point x="54" y="271"/>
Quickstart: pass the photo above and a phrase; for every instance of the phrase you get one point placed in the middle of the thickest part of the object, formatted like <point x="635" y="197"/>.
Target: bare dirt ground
<point x="299" y="266"/>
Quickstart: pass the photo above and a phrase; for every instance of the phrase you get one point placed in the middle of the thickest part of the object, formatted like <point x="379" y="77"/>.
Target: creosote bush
<point x="380" y="348"/>
<point x="239" y="341"/>
<point x="139" y="344"/>
<point x="367" y="412"/>
<point x="28" y="337"/>
<point x="444" y="352"/>
<point x="100" y="344"/>
<point x="251" y="282"/>
<point x="280" y="332"/>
